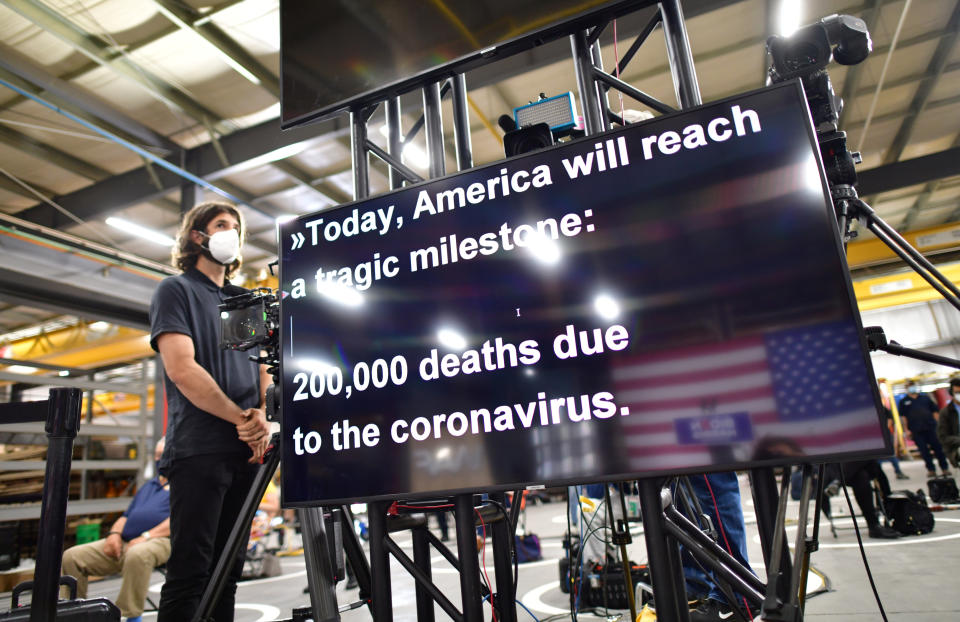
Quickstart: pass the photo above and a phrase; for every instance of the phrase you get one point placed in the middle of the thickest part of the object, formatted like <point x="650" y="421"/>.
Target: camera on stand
<point x="805" y="55"/>
<point x="252" y="319"/>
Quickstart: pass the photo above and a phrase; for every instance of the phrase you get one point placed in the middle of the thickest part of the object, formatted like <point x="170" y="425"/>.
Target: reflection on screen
<point x="665" y="298"/>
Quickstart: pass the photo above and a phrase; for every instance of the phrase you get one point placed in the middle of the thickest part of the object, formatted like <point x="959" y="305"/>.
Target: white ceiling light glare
<point x="99" y="326"/>
<point x="141" y="232"/>
<point x="339" y="293"/>
<point x="606" y="306"/>
<point x="416" y="156"/>
<point x="21" y="369"/>
<point x="285" y="218"/>
<point x="315" y="365"/>
<point x="544" y="249"/>
<point x="789" y="16"/>
<point x="451" y="339"/>
<point x="412" y="153"/>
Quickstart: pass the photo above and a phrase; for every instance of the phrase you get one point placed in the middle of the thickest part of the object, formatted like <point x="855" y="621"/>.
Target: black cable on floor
<point x="863" y="553"/>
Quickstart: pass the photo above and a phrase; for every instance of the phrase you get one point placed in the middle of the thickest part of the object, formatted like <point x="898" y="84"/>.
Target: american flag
<point x="807" y="384"/>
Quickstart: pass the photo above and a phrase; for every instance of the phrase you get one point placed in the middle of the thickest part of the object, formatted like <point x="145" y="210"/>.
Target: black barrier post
<point x="502" y="563"/>
<point x="467" y="552"/>
<point x="381" y="605"/>
<point x="63" y="423"/>
<point x="663" y="555"/>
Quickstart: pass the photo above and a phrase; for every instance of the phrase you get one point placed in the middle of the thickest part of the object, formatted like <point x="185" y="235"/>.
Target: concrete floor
<point x="916" y="576"/>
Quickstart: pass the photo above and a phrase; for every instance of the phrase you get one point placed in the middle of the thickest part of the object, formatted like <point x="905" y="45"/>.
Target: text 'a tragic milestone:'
<point x="607" y="155"/>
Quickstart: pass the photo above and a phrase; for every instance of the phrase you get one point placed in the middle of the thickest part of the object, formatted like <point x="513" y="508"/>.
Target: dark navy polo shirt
<point x="918" y="411"/>
<point x="187" y="304"/>
<point x="149" y="508"/>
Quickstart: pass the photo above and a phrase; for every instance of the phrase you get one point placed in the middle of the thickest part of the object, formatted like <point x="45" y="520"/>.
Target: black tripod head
<point x="806" y="53"/>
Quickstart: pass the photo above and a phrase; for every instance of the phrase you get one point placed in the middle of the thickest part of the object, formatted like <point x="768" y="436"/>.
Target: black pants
<point x="859" y="476"/>
<point x="206" y="494"/>
<point x="926" y="441"/>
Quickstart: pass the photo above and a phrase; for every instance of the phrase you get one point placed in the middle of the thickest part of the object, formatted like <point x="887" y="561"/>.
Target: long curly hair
<point x="186" y="251"/>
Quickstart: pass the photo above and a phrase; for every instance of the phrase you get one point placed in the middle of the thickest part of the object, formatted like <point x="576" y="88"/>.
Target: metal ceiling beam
<point x="923" y="200"/>
<point x="937" y="64"/>
<point x="909" y="172"/>
<point x="67" y="162"/>
<point x="851" y="81"/>
<point x="100" y="52"/>
<point x="304" y="179"/>
<point x="79" y="99"/>
<point x="129" y="48"/>
<point x="136" y="186"/>
<point x="240" y="59"/>
<point x="14" y="188"/>
<point x="905" y="80"/>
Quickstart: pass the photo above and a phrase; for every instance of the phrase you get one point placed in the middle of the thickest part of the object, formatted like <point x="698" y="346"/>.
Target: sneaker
<point x="711" y="610"/>
<point x="902" y="475"/>
<point x="931" y="473"/>
<point x="945" y="473"/>
<point x="883" y="532"/>
<point x="832" y="488"/>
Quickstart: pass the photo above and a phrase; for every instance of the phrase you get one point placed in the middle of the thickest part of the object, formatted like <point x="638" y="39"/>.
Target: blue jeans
<point x="895" y="462"/>
<point x="730" y="527"/>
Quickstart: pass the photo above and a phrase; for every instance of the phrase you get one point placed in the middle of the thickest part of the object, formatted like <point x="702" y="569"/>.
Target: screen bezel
<point x="797" y="88"/>
<point x="473" y="60"/>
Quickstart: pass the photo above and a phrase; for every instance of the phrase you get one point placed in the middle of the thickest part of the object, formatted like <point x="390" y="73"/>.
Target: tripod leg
<point x="355" y="556"/>
<point x="317" y="554"/>
<point x="663" y="557"/>
<point x="381" y="604"/>
<point x="469" y="564"/>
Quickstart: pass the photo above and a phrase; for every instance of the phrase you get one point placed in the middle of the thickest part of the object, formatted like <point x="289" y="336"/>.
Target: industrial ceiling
<point x="95" y="91"/>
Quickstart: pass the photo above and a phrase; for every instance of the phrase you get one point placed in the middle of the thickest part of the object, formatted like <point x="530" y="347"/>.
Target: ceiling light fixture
<point x="142" y="232"/>
<point x="788" y="19"/>
<point x="234" y="64"/>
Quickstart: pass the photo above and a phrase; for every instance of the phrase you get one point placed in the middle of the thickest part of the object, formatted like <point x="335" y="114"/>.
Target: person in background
<point x="948" y="424"/>
<point x="860" y="475"/>
<point x="217" y="430"/>
<point x="719" y="497"/>
<point x="918" y="410"/>
<point x="137" y="542"/>
<point x="894" y="460"/>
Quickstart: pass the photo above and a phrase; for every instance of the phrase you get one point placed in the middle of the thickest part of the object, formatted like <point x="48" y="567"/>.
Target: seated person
<point x="138" y="542"/>
<point x="860" y="474"/>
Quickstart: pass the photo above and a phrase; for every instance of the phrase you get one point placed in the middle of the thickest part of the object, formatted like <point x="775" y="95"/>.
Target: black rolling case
<point x="943" y="489"/>
<point x="73" y="610"/>
<point x="62" y="424"/>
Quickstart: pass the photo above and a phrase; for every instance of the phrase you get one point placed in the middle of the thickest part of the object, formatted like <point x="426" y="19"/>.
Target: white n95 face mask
<point x="224" y="246"/>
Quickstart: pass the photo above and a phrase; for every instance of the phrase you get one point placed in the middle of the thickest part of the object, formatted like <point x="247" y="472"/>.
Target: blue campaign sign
<point x="566" y="315"/>
<point x="720" y="429"/>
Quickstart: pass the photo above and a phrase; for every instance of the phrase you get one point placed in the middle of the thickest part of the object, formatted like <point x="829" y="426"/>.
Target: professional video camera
<point x="252" y="319"/>
<point x="805" y="54"/>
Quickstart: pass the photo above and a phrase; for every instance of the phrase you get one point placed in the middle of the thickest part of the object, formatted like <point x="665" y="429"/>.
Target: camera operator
<point x="217" y="430"/>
